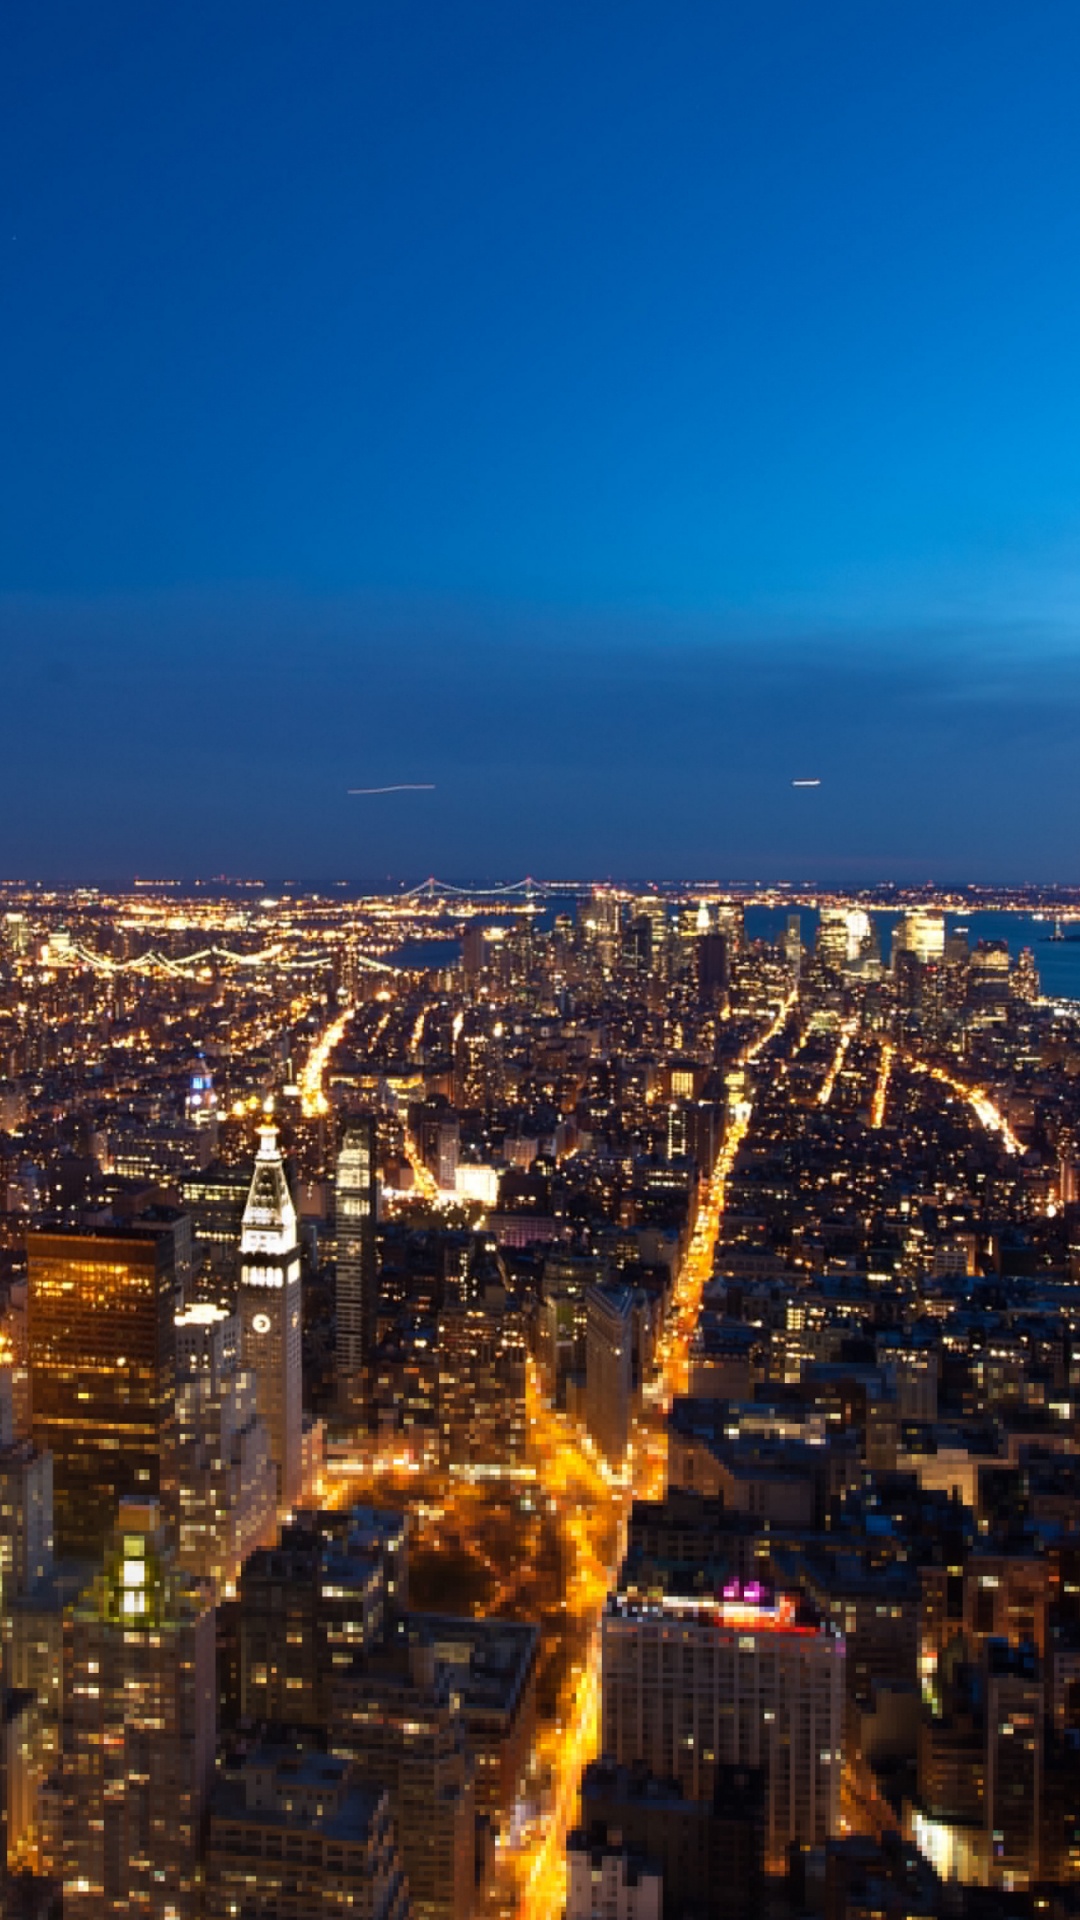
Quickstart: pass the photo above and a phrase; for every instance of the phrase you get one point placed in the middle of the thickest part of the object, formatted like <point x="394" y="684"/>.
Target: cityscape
<point x="538" y="1401"/>
<point x="539" y="960"/>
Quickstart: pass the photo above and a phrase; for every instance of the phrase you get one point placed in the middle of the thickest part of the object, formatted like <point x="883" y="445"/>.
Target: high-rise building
<point x="690" y="1684"/>
<point x="26" y="1519"/>
<point x="731" y="922"/>
<point x="215" y="1198"/>
<point x="1015" y="1713"/>
<point x="482" y="1363"/>
<point x="397" y="1717"/>
<point x="845" y="937"/>
<point x="609" y="1343"/>
<point x="793" y="943"/>
<point x="831" y="943"/>
<point x="599" y="917"/>
<point x="225" y="1483"/>
<point x="1026" y="976"/>
<point x="102" y="1307"/>
<point x="473" y="952"/>
<point x="355" y="1214"/>
<point x="26" y="1508"/>
<point x="269" y="1305"/>
<point x="320" y="1643"/>
<point x="139" y="1736"/>
<point x="309" y="1605"/>
<point x="922" y="933"/>
<point x="712" y="969"/>
<point x="26" y="1561"/>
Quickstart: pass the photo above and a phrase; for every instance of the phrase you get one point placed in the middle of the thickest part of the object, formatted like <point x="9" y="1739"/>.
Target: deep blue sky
<point x="607" y="411"/>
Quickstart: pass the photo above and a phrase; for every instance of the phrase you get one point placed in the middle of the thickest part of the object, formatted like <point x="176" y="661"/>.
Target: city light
<point x="313" y="1100"/>
<point x="881" y="1086"/>
<point x="579" y="1150"/>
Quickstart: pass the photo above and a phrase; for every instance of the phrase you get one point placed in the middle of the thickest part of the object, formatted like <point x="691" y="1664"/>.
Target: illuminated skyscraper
<point x="269" y="1305"/>
<point x="1026" y="976"/>
<point x="922" y="933"/>
<point x="102" y="1306"/>
<point x="831" y="943"/>
<point x="793" y="943"/>
<point x="140" y="1731"/>
<point x="845" y="937"/>
<point x="355" y="1202"/>
<point x="226" y="1486"/>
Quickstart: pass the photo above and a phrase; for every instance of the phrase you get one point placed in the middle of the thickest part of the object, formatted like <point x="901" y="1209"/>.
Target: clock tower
<point x="270" y="1333"/>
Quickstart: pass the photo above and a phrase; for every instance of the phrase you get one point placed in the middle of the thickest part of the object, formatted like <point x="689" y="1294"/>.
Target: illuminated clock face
<point x="260" y="1323"/>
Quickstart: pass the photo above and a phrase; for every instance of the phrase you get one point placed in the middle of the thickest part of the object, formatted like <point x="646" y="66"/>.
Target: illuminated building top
<point x="269" y="1224"/>
<point x="739" y="1607"/>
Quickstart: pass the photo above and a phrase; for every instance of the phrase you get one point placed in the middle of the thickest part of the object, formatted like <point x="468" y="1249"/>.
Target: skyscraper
<point x="355" y="1205"/>
<point x="102" y="1306"/>
<point x="712" y="969"/>
<point x="483" y="1351"/>
<point x="225" y="1480"/>
<point x="140" y="1712"/>
<point x="269" y="1306"/>
<point x="609" y="1368"/>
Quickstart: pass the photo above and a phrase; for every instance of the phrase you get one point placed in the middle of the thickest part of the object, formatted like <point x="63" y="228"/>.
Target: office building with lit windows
<point x="226" y="1487"/>
<point x="140" y="1726"/>
<point x="26" y="1508"/>
<point x="309" y="1605"/>
<point x="397" y="1716"/>
<point x="355" y="1214"/>
<point x="482" y="1362"/>
<point x="745" y="1679"/>
<point x="101" y="1335"/>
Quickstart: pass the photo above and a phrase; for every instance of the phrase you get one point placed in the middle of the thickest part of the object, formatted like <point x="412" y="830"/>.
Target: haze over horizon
<point x="603" y="416"/>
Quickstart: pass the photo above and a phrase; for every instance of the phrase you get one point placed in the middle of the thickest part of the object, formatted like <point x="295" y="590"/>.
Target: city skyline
<point x="594" y="1375"/>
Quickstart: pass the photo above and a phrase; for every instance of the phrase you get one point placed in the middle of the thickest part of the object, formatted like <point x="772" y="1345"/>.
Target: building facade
<point x="355" y="1219"/>
<point x="270" y="1312"/>
<point x="101" y="1327"/>
<point x="691" y="1684"/>
<point x="139" y="1731"/>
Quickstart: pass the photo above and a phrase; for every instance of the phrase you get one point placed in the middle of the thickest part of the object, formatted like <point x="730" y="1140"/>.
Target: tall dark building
<point x="712" y="969"/>
<point x="355" y="1210"/>
<point x="101" y="1335"/>
<point x="609" y="1344"/>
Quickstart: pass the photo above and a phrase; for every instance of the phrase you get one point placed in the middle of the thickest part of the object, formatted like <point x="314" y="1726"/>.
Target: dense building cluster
<point x="521" y="1403"/>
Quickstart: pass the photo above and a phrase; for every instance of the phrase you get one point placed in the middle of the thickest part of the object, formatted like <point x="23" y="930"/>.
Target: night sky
<point x="607" y="412"/>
